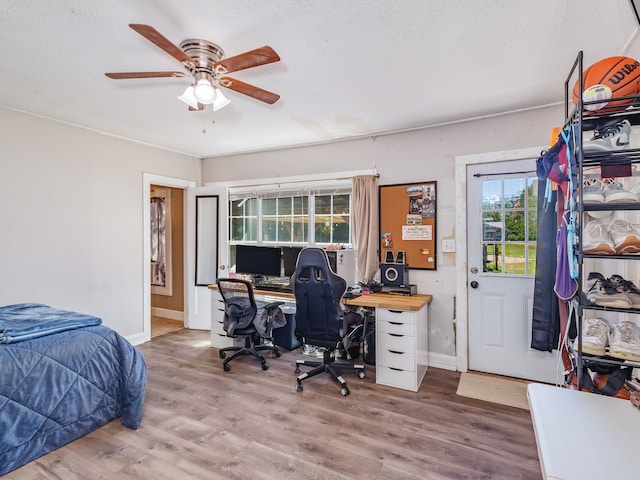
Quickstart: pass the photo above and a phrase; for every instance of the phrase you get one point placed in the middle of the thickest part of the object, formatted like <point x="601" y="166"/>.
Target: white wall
<point x="72" y="217"/>
<point x="72" y="220"/>
<point x="420" y="155"/>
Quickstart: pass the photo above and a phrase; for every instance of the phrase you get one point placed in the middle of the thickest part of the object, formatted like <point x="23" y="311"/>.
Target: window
<point x="509" y="225"/>
<point x="332" y="219"/>
<point x="311" y="214"/>
<point x="285" y="220"/>
<point x="244" y="220"/>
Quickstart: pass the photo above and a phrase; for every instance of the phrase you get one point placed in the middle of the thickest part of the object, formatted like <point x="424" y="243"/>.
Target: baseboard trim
<point x="166" y="313"/>
<point x="440" y="360"/>
<point x="138" y="338"/>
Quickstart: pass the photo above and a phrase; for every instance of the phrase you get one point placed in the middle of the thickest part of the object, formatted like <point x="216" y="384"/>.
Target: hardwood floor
<point x="203" y="423"/>
<point x="162" y="326"/>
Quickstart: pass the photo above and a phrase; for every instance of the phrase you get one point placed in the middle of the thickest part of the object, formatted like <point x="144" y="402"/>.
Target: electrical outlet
<point x="448" y="245"/>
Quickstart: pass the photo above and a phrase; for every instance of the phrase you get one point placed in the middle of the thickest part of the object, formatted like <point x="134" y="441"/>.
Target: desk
<point x="583" y="435"/>
<point x="402" y="348"/>
<point x="390" y="300"/>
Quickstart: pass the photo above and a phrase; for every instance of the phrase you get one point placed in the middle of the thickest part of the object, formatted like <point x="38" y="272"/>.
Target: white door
<point x="198" y="293"/>
<point x="502" y="224"/>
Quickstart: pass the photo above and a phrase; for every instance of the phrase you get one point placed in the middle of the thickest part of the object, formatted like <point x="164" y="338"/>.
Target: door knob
<point x="474" y="284"/>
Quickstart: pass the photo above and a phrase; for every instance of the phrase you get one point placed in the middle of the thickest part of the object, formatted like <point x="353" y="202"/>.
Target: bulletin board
<point x="408" y="224"/>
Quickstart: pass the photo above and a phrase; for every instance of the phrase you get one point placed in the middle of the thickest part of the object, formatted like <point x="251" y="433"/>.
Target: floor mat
<point x="494" y="389"/>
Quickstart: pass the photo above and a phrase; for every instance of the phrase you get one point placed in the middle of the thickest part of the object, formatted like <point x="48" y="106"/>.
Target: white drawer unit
<point x="401" y="347"/>
<point x="219" y="337"/>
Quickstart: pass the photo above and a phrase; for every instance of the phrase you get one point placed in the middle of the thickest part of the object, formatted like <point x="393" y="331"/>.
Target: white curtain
<point x="365" y="225"/>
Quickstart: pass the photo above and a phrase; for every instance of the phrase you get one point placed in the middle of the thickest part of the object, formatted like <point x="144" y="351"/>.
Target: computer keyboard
<point x="274" y="287"/>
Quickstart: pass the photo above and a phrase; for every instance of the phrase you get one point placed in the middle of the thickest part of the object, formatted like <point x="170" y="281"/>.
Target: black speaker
<point x="394" y="274"/>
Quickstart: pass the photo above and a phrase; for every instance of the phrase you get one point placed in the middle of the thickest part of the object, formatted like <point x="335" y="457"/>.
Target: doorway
<point x="148" y="180"/>
<point x="166" y="259"/>
<point x="495" y="265"/>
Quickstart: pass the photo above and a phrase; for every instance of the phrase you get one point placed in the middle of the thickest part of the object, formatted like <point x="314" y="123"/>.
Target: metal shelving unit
<point x="584" y="120"/>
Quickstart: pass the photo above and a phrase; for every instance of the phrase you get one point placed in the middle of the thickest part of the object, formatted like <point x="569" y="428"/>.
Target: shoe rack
<point x="584" y="118"/>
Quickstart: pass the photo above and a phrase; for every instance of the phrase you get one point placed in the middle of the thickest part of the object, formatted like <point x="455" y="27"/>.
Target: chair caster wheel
<point x="297" y="370"/>
<point x="223" y="355"/>
<point x="226" y="367"/>
<point x="360" y="373"/>
<point x="265" y="366"/>
<point x="278" y="354"/>
<point x="344" y="391"/>
<point x="299" y="388"/>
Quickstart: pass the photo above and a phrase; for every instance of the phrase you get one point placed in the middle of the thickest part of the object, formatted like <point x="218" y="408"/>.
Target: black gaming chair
<point x="319" y="319"/>
<point x="240" y="310"/>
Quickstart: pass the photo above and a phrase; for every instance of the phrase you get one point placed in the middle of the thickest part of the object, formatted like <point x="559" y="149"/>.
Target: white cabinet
<point x="401" y="347"/>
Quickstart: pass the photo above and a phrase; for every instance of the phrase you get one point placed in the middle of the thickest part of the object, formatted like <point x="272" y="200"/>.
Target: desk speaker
<point x="394" y="274"/>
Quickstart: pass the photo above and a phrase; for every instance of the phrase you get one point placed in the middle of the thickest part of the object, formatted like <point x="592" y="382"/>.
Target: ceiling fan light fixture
<point x="188" y="97"/>
<point x="204" y="91"/>
<point x="221" y="101"/>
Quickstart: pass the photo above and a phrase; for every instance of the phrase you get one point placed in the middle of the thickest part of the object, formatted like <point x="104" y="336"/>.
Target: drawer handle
<point x="396" y="323"/>
<point x="396" y="369"/>
<point x="396" y="352"/>
<point x="395" y="311"/>
<point x="396" y="335"/>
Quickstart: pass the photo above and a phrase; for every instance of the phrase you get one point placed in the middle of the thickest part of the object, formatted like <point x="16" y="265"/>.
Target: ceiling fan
<point x="205" y="62"/>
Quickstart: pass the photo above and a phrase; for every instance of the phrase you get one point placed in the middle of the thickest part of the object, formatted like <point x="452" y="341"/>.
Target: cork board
<point x="408" y="224"/>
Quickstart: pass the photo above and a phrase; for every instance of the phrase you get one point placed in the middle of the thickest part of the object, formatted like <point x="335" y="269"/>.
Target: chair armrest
<point x="231" y="327"/>
<point x="272" y="305"/>
<point x="264" y="321"/>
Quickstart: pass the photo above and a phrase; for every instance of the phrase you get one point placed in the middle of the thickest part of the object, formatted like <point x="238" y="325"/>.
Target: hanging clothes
<point x="546" y="316"/>
<point x="551" y="320"/>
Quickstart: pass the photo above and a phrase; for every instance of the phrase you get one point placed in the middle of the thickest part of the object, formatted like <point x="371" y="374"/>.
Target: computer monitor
<point x="255" y="260"/>
<point x="289" y="259"/>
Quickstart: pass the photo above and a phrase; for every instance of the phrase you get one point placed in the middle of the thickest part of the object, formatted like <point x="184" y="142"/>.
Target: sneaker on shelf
<point x="625" y="236"/>
<point x="628" y="287"/>
<point x="595" y="334"/>
<point x="592" y="191"/>
<point x="597" y="239"/>
<point x="601" y="292"/>
<point x="625" y="341"/>
<point x="613" y="135"/>
<point x="614" y="192"/>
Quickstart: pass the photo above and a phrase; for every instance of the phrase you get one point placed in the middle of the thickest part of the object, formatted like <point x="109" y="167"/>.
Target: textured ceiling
<point x="348" y="69"/>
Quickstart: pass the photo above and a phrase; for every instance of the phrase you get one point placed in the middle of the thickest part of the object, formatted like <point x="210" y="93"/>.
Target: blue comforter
<point x="60" y="386"/>
<point x="31" y="320"/>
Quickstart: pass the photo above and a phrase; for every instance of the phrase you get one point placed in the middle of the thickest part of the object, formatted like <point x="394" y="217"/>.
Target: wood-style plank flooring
<point x="203" y="423"/>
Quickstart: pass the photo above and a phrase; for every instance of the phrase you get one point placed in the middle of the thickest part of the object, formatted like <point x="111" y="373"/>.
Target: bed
<point x="62" y="375"/>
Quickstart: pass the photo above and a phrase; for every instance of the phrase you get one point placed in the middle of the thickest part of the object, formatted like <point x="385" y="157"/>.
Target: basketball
<point x="609" y="78"/>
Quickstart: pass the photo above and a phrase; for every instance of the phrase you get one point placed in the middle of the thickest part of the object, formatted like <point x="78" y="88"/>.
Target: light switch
<point x="448" y="245"/>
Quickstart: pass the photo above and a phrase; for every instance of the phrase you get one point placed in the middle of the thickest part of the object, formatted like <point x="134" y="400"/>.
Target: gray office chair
<point x="240" y="310"/>
<point x="319" y="319"/>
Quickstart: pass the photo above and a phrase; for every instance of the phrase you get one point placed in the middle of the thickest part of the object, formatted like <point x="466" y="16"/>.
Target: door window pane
<point x="492" y="226"/>
<point x="514" y="225"/>
<point x="492" y="194"/>
<point x="515" y="259"/>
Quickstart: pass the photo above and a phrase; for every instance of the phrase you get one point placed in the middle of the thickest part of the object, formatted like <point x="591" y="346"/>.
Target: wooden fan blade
<point x="125" y="75"/>
<point x="250" y="90"/>
<point x="259" y="56"/>
<point x="155" y="37"/>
